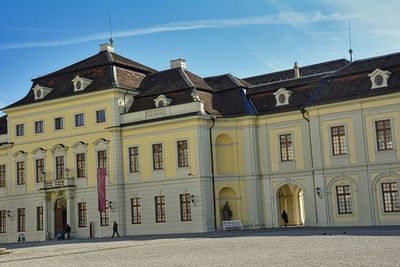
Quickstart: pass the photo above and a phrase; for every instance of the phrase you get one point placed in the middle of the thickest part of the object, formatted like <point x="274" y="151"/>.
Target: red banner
<point x="101" y="188"/>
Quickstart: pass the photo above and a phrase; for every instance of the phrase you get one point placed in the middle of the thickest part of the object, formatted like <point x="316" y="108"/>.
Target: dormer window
<point x="80" y="83"/>
<point x="282" y="96"/>
<point x="379" y="78"/>
<point x="162" y="101"/>
<point x="40" y="91"/>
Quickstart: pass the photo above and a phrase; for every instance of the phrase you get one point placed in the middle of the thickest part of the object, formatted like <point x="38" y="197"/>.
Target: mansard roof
<point x="309" y="70"/>
<point x="226" y="82"/>
<point x="3" y="124"/>
<point x="105" y="69"/>
<point x="353" y="82"/>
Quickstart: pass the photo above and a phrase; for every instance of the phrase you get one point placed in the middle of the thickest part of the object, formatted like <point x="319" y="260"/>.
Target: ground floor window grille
<point x="160" y="209"/>
<point x="390" y="197"/>
<point x="343" y="194"/>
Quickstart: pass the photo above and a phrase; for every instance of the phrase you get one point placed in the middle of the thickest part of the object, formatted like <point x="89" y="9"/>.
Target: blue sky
<point x="242" y="37"/>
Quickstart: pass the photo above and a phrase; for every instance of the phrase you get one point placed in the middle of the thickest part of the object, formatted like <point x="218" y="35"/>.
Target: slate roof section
<point x="353" y="82"/>
<point x="3" y="125"/>
<point x="171" y="80"/>
<point x="103" y="58"/>
<point x="265" y="102"/>
<point x="324" y="67"/>
<point x="105" y="69"/>
<point x="226" y="82"/>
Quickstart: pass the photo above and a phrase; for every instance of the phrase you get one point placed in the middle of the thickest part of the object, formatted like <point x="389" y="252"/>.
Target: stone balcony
<point x="60" y="183"/>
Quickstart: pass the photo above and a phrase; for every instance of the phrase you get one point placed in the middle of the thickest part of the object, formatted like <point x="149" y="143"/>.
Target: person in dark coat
<point x="285" y="218"/>
<point x="68" y="232"/>
<point x="115" y="229"/>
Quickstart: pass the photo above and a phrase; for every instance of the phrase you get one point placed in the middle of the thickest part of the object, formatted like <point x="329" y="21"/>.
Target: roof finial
<point x="350" y="50"/>
<point x="109" y="22"/>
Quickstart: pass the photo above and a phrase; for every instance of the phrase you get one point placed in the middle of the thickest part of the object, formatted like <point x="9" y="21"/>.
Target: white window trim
<point x="105" y="116"/>
<point x="34" y="127"/>
<point x="385" y="75"/>
<point x="54" y="123"/>
<point x="80" y="148"/>
<point x="285" y="92"/>
<point x="84" y="120"/>
<point x="376" y="139"/>
<point x="177" y="156"/>
<point x="279" y="148"/>
<point x="331" y="140"/>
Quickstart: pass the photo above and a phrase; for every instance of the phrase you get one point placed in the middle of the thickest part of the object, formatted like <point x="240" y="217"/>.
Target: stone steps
<point x="4" y="251"/>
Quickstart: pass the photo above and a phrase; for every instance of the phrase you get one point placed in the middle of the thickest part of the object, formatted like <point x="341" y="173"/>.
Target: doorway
<point x="290" y="197"/>
<point x="60" y="215"/>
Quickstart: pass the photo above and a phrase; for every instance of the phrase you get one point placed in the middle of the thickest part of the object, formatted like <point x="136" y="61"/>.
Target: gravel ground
<point x="283" y="247"/>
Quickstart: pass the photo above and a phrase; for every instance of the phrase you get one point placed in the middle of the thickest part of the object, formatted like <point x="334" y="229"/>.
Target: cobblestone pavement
<point x="278" y="247"/>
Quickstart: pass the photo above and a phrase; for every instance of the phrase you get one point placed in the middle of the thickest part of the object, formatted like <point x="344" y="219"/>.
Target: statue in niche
<point x="226" y="212"/>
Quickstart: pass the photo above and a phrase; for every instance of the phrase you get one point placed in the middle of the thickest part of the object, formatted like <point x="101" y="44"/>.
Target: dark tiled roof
<point x="3" y="124"/>
<point x="98" y="68"/>
<point x="233" y="103"/>
<point x="226" y="82"/>
<point x="169" y="81"/>
<point x="62" y="85"/>
<point x="353" y="81"/>
<point x="100" y="59"/>
<point x="264" y="100"/>
<point x="324" y="67"/>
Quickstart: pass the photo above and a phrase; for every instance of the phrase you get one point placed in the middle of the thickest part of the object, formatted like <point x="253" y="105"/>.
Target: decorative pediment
<point x="79" y="144"/>
<point x="282" y="96"/>
<point x="59" y="148"/>
<point x="20" y="155"/>
<point x="379" y="78"/>
<point x="38" y="150"/>
<point x="41" y="91"/>
<point x="101" y="142"/>
<point x="162" y="101"/>
<point x="80" y="83"/>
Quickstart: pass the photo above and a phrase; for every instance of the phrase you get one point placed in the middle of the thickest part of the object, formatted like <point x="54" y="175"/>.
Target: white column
<point x="45" y="217"/>
<point x="69" y="196"/>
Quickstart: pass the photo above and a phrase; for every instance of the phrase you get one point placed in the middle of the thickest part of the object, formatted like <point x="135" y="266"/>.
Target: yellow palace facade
<point x="320" y="142"/>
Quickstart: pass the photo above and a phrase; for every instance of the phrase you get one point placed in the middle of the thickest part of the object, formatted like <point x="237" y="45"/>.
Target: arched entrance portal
<point x="60" y="215"/>
<point x="290" y="198"/>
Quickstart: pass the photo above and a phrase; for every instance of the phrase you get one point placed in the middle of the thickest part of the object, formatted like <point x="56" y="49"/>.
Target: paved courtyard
<point x="279" y="247"/>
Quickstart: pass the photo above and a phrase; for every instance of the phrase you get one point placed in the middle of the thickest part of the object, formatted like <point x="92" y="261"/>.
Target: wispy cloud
<point x="31" y="29"/>
<point x="283" y="18"/>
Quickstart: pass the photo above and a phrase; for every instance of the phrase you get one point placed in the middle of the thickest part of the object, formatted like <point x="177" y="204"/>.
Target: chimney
<point x="178" y="63"/>
<point x="296" y="70"/>
<point x="107" y="47"/>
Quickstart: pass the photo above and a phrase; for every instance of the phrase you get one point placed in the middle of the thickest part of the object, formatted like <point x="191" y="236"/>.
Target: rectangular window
<point x="183" y="153"/>
<point x="2" y="221"/>
<point x="160" y="208"/>
<point x="186" y="213"/>
<point x="3" y="175"/>
<point x="82" y="214"/>
<point x="60" y="167"/>
<point x="343" y="194"/>
<point x="104" y="218"/>
<point x="59" y="123"/>
<point x="338" y="140"/>
<point x="20" y="129"/>
<point x="102" y="159"/>
<point x="100" y="116"/>
<point x="384" y="135"/>
<point x="80" y="165"/>
<point x="390" y="197"/>
<point x="39" y="170"/>
<point x="286" y="147"/>
<point x="21" y="220"/>
<point x="134" y="159"/>
<point x="39" y="218"/>
<point x="136" y="211"/>
<point x="158" y="163"/>
<point x="21" y="173"/>
<point x="79" y="120"/>
<point x="38" y="127"/>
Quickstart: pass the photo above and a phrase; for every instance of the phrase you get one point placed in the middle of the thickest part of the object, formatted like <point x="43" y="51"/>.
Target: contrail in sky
<point x="283" y="18"/>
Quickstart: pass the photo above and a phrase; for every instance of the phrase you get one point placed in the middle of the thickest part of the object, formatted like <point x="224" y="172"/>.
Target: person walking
<point x="115" y="229"/>
<point x="285" y="218"/>
<point x="68" y="232"/>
